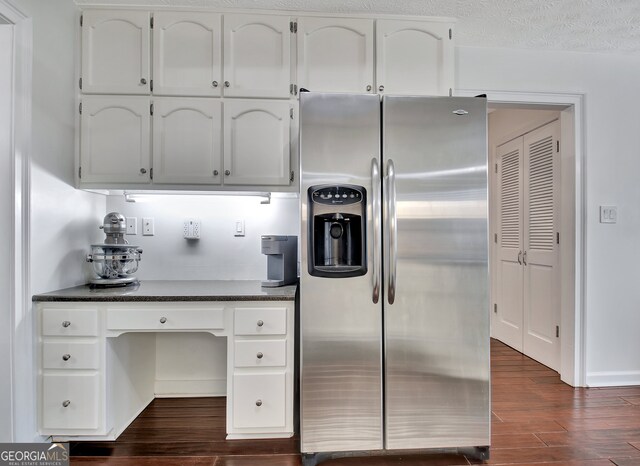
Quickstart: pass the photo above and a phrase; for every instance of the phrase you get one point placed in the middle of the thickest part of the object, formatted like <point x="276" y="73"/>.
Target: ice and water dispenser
<point x="337" y="231"/>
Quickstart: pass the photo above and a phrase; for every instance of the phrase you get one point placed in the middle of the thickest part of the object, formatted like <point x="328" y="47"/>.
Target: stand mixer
<point x="115" y="260"/>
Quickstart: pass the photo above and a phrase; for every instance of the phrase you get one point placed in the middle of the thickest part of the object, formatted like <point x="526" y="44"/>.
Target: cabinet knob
<point x="66" y="323"/>
<point x="369" y="87"/>
<point x="227" y="84"/>
<point x="258" y="402"/>
<point x="227" y="172"/>
<point x="260" y="323"/>
<point x="259" y="355"/>
<point x="143" y="170"/>
<point x="143" y="81"/>
<point x="66" y="403"/>
<point x="66" y="357"/>
<point x="215" y="172"/>
<point x="163" y="320"/>
<point x="214" y="83"/>
<point x="381" y="88"/>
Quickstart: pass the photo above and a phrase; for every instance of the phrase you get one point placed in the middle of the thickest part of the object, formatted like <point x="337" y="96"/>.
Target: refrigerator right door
<point x="436" y="308"/>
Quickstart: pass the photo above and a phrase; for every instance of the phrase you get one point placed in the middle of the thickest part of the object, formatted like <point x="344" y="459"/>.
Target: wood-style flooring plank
<point x="536" y="420"/>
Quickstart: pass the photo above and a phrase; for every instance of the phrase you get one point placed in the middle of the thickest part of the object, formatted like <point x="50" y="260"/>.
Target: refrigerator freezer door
<point x="437" y="329"/>
<point x="340" y="325"/>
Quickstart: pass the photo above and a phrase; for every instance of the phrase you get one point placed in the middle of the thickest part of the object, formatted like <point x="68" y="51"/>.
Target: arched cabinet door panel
<point x="114" y="139"/>
<point x="335" y="54"/>
<point x="257" y="56"/>
<point x="256" y="142"/>
<point x="115" y="52"/>
<point x="187" y="140"/>
<point x="186" y="54"/>
<point x="414" y="57"/>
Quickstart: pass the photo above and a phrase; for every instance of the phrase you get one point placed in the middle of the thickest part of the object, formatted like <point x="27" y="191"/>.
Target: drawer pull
<point x="66" y="357"/>
<point x="259" y="355"/>
<point x="66" y="403"/>
<point x="258" y="402"/>
<point x="66" y="323"/>
<point x="260" y="323"/>
<point x="163" y="320"/>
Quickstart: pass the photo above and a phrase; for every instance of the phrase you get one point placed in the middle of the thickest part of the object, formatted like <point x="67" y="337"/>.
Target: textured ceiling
<point x="578" y="25"/>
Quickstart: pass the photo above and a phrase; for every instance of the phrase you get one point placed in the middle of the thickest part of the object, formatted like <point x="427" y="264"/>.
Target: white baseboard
<point x="613" y="379"/>
<point x="193" y="388"/>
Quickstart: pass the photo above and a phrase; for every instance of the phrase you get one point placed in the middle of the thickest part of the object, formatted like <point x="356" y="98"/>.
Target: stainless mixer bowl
<point x="114" y="260"/>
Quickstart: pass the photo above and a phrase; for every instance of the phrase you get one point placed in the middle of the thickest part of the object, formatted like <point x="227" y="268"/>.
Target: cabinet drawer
<point x="260" y="353"/>
<point x="70" y="322"/>
<point x="165" y="319"/>
<point x="260" y="321"/>
<point x="70" y="355"/>
<point x="259" y="400"/>
<point x="70" y="401"/>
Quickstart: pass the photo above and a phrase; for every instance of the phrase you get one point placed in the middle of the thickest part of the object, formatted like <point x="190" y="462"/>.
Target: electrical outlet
<point x="608" y="214"/>
<point x="191" y="229"/>
<point x="132" y="225"/>
<point x="147" y="226"/>
<point x="238" y="228"/>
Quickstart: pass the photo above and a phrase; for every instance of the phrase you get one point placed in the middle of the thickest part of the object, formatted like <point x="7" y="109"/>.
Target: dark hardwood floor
<point x="537" y="420"/>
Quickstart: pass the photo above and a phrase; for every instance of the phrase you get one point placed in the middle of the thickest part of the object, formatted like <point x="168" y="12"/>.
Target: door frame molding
<point x="20" y="332"/>
<point x="572" y="214"/>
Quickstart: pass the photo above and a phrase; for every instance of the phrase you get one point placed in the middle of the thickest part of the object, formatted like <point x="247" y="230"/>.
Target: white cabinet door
<point x="71" y="401"/>
<point x="256" y="142"/>
<point x="186" y="140"/>
<point x="414" y="57"/>
<point x="335" y="54"/>
<point x="115" y="52"/>
<point x="259" y="400"/>
<point x="186" y="54"/>
<point x="115" y="139"/>
<point x="257" y="61"/>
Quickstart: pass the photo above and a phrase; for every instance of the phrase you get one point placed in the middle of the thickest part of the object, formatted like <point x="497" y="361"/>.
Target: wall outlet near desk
<point x="191" y="228"/>
<point x="147" y="226"/>
<point x="608" y="214"/>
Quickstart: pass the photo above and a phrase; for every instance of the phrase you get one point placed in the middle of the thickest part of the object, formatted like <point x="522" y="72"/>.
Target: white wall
<point x="612" y="139"/>
<point x="6" y="211"/>
<point x="218" y="255"/>
<point x="62" y="218"/>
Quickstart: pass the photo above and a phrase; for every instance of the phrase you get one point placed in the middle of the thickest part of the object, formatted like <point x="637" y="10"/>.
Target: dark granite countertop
<point x="175" y="290"/>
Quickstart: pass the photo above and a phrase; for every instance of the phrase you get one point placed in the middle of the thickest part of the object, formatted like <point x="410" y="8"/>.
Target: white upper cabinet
<point x="335" y="54"/>
<point x="256" y="142"/>
<point x="414" y="57"/>
<point x="257" y="56"/>
<point x="114" y="139"/>
<point x="115" y="52"/>
<point x="186" y="54"/>
<point x="186" y="140"/>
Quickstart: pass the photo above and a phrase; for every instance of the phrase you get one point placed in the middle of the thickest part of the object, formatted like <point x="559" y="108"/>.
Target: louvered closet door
<point x="541" y="284"/>
<point x="508" y="320"/>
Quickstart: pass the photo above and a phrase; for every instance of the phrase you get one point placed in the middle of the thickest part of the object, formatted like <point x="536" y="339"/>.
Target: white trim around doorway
<point x="573" y="266"/>
<point x="20" y="331"/>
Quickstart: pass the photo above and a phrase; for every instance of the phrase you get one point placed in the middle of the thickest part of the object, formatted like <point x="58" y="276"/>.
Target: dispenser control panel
<point x="336" y="195"/>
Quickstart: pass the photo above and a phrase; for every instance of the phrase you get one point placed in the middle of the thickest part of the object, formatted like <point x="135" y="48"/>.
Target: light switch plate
<point x="608" y="214"/>
<point x="132" y="225"/>
<point x="238" y="229"/>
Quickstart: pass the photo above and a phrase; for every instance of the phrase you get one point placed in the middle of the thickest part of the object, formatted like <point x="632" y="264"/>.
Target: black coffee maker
<point x="337" y="236"/>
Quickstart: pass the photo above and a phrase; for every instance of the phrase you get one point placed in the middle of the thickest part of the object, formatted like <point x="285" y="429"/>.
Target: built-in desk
<point x="98" y="354"/>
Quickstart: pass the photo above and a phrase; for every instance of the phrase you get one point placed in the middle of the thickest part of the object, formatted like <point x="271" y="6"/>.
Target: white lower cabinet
<point x="98" y="360"/>
<point x="71" y="401"/>
<point x="259" y="400"/>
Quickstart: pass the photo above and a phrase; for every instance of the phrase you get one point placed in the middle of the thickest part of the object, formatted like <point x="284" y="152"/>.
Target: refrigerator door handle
<point x="392" y="229"/>
<point x="375" y="208"/>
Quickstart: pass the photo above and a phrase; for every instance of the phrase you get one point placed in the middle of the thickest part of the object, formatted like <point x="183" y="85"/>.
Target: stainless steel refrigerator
<point x="394" y="312"/>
